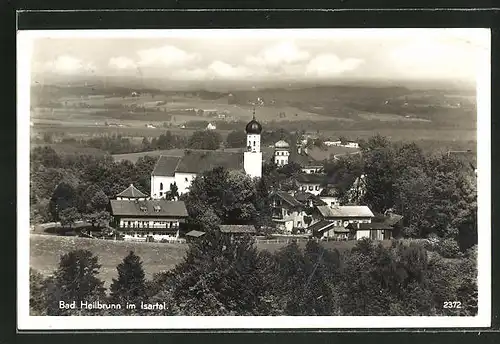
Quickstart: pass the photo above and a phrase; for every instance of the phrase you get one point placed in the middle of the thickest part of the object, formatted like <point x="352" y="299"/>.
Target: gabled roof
<point x="306" y="196"/>
<point x="166" y="165"/>
<point x="305" y="160"/>
<point x="287" y="198"/>
<point x="131" y="192"/>
<point x="369" y="226"/>
<point x="310" y="178"/>
<point x="237" y="229"/>
<point x="195" y="161"/>
<point x="156" y="208"/>
<point x="392" y="219"/>
<point x="345" y="211"/>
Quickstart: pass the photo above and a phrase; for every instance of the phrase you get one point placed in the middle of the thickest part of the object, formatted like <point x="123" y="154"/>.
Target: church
<point x="182" y="170"/>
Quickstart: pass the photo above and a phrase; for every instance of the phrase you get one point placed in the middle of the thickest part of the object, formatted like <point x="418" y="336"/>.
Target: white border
<point x="26" y="322"/>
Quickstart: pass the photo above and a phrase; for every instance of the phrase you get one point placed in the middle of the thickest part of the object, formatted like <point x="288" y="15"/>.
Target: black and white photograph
<point x="264" y="178"/>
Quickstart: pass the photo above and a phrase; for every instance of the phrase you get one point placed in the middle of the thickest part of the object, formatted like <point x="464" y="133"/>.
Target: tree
<point x="64" y="196"/>
<point x="69" y="216"/>
<point x="207" y="139"/>
<point x="75" y="280"/>
<point x="100" y="218"/>
<point x="236" y="139"/>
<point x="38" y="293"/>
<point x="173" y="193"/>
<point x="99" y="202"/>
<point x="130" y="285"/>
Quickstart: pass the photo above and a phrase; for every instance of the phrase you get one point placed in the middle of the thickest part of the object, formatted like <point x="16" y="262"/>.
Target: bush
<point x="448" y="248"/>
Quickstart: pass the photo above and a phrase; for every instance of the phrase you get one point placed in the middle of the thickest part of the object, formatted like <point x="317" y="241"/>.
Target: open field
<point x="46" y="250"/>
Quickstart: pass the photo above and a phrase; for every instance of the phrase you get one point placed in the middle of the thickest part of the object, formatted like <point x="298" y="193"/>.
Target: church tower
<point x="252" y="159"/>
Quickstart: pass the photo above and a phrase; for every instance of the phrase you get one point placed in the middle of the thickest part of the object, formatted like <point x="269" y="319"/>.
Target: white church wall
<point x="253" y="141"/>
<point x="157" y="182"/>
<point x="183" y="181"/>
<point x="252" y="162"/>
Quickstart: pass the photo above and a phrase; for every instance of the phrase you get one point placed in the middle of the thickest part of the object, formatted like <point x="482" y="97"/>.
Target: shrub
<point x="448" y="248"/>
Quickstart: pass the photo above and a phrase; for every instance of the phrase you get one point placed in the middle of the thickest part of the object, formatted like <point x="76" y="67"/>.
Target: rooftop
<point x="195" y="234"/>
<point x="156" y="208"/>
<point x="310" y="178"/>
<point x="237" y="229"/>
<point x="345" y="211"/>
<point x="166" y="165"/>
<point x="195" y="161"/>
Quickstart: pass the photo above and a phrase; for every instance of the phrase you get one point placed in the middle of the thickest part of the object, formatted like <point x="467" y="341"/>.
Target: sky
<point x="265" y="55"/>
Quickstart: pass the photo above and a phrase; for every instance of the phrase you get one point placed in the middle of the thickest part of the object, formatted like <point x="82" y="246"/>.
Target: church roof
<point x="166" y="165"/>
<point x="253" y="127"/>
<point x="157" y="208"/>
<point x="199" y="161"/>
<point x="131" y="192"/>
<point x="281" y="144"/>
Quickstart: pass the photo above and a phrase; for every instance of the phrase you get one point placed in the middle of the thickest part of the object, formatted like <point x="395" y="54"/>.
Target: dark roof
<point x="237" y="229"/>
<point x="157" y="208"/>
<point x="305" y="160"/>
<point x="367" y="226"/>
<point x="195" y="161"/>
<point x="345" y="211"/>
<point x="320" y="226"/>
<point x="329" y="192"/>
<point x="304" y="196"/>
<point x="288" y="198"/>
<point x="311" y="178"/>
<point x="131" y="192"/>
<point x="166" y="165"/>
<point x="253" y="127"/>
<point x="392" y="219"/>
<point x="195" y="234"/>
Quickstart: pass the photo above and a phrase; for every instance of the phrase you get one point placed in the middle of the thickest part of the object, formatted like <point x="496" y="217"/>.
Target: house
<point x="182" y="170"/>
<point x="373" y="230"/>
<point x="330" y="197"/>
<point x="143" y="220"/>
<point x="308" y="199"/>
<point x="131" y="193"/>
<point x="312" y="183"/>
<point x="329" y="229"/>
<point x="281" y="153"/>
<point x="308" y="164"/>
<point x="237" y="230"/>
<point x="286" y="211"/>
<point x="333" y="143"/>
<point x="211" y="126"/>
<point x="340" y="216"/>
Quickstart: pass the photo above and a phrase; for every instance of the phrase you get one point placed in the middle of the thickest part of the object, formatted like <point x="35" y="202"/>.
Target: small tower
<point x="253" y="156"/>
<point x="281" y="153"/>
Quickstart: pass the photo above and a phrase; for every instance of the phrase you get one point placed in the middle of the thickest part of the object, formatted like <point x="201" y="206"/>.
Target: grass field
<point x="46" y="250"/>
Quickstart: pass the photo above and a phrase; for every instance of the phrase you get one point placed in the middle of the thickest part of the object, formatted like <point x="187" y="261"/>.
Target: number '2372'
<point x="452" y="304"/>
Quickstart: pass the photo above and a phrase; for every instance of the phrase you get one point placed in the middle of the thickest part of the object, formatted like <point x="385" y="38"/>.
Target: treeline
<point x="70" y="187"/>
<point x="224" y="277"/>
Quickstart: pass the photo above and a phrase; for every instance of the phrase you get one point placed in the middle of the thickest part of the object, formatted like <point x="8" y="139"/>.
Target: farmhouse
<point x="328" y="220"/>
<point x="312" y="183"/>
<point x="141" y="219"/>
<point x="286" y="211"/>
<point x="182" y="170"/>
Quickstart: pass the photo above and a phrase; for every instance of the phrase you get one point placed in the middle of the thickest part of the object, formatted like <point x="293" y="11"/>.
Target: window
<point x="161" y="193"/>
<point x="311" y="188"/>
<point x="254" y="143"/>
<point x="317" y="187"/>
<point x="185" y="179"/>
<point x="161" y="187"/>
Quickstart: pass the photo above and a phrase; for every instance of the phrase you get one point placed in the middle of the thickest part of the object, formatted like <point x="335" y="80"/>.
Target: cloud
<point x="222" y="69"/>
<point x="434" y="59"/>
<point x="166" y="56"/>
<point x="330" y="65"/>
<point x="66" y="64"/>
<point x="283" y="53"/>
<point x="122" y="62"/>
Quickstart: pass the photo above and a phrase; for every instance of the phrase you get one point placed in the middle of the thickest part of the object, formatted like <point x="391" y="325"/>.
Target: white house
<point x="211" y="126"/>
<point x="281" y="153"/>
<point x="311" y="182"/>
<point x="334" y="221"/>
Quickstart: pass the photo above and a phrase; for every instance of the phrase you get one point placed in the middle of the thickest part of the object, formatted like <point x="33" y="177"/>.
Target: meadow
<point x="46" y="250"/>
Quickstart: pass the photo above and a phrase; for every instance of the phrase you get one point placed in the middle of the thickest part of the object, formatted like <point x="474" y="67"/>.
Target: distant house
<point x="373" y="230"/>
<point x="148" y="219"/>
<point x="333" y="143"/>
<point x="287" y="212"/>
<point x="211" y="126"/>
<point x="352" y="144"/>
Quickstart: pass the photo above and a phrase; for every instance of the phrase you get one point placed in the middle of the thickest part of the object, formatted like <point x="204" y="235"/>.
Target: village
<point x="312" y="211"/>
